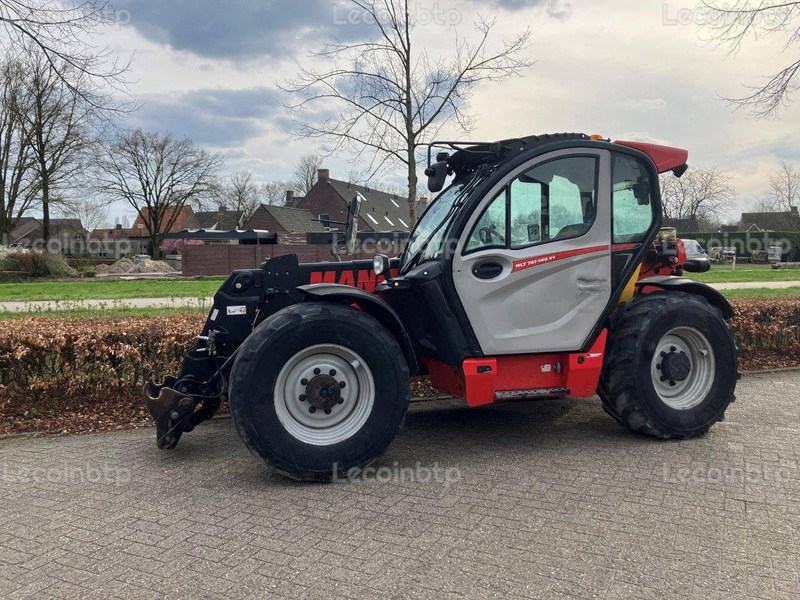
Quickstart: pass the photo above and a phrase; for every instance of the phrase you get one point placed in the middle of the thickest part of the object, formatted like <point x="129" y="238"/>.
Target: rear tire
<point x="671" y="366"/>
<point x="319" y="391"/>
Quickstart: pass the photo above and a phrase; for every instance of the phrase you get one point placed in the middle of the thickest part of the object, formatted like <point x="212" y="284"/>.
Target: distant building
<point x="291" y="224"/>
<point x="291" y="200"/>
<point x="110" y="243"/>
<point x="329" y="198"/>
<point x="683" y="225"/>
<point x="221" y="219"/>
<point x="67" y="236"/>
<point x="139" y="235"/>
<point x="771" y="221"/>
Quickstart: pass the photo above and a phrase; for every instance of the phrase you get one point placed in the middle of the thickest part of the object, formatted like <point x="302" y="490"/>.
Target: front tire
<point x="671" y="366"/>
<point x="319" y="391"/>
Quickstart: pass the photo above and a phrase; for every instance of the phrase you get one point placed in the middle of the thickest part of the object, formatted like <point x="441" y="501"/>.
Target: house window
<point x="326" y="219"/>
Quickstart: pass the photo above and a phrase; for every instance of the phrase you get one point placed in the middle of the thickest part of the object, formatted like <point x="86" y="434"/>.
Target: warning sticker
<point x="237" y="310"/>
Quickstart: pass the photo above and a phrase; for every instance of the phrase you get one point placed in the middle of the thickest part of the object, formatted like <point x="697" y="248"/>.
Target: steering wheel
<point x="487" y="234"/>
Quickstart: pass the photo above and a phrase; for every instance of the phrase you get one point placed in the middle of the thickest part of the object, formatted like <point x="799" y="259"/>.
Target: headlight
<point x="380" y="263"/>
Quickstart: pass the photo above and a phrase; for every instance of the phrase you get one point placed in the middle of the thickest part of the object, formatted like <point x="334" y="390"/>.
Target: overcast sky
<point x="208" y="69"/>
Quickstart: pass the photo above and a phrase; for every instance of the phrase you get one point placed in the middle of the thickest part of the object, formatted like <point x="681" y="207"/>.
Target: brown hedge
<point x="95" y="368"/>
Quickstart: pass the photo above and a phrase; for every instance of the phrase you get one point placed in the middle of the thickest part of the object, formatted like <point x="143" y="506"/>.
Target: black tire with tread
<point x="626" y="387"/>
<point x="272" y="344"/>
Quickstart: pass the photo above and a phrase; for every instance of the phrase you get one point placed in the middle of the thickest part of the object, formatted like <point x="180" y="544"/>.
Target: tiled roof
<point x="771" y="221"/>
<point x="185" y="220"/>
<point x="30" y="228"/>
<point x="383" y="211"/>
<point x="683" y="225"/>
<point x="222" y="220"/>
<point x="294" y="220"/>
<point x="110" y="234"/>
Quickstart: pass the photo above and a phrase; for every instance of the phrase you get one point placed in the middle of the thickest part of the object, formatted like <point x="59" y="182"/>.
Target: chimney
<point x="794" y="210"/>
<point x="118" y="227"/>
<point x="323" y="174"/>
<point x="289" y="197"/>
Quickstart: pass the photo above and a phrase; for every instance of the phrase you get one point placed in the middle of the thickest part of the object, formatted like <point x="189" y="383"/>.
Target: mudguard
<point x="370" y="304"/>
<point x="690" y="286"/>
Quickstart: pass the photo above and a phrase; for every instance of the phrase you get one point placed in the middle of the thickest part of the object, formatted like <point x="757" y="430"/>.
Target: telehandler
<point x="539" y="271"/>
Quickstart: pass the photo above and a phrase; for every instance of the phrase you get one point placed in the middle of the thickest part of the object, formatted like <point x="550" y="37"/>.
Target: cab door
<point x="533" y="266"/>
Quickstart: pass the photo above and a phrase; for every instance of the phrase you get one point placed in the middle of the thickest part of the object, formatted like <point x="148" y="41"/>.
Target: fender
<point x="684" y="284"/>
<point x="369" y="303"/>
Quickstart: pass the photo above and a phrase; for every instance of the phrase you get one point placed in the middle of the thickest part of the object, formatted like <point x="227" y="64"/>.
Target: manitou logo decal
<point x="527" y="263"/>
<point x="364" y="279"/>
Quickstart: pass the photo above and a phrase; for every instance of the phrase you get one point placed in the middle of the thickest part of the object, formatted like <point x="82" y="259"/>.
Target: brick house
<point x="140" y="238"/>
<point x="291" y="224"/>
<point x="329" y="199"/>
<point x="110" y="243"/>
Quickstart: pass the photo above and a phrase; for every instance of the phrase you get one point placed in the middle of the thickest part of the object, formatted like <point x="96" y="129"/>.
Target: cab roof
<point x="469" y="155"/>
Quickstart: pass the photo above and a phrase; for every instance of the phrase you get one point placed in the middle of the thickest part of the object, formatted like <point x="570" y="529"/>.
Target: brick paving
<point x="542" y="500"/>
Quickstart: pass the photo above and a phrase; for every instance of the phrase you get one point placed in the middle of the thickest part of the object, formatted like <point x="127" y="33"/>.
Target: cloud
<point x="240" y="29"/>
<point x="560" y="10"/>
<point x="213" y="117"/>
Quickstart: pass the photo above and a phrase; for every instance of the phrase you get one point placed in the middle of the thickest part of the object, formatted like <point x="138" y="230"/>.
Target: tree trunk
<point x="412" y="188"/>
<point x="155" y="251"/>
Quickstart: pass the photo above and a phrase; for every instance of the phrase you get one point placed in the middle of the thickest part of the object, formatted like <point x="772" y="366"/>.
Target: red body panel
<point x="666" y="158"/>
<point x="364" y="279"/>
<point x="480" y="379"/>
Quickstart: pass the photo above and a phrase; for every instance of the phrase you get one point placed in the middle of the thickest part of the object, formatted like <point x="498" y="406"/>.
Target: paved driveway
<point x="550" y="500"/>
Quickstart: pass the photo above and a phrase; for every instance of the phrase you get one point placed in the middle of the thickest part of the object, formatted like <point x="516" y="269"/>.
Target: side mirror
<point x="437" y="175"/>
<point x="351" y="232"/>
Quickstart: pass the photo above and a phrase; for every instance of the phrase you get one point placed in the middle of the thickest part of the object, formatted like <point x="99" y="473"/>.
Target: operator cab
<point x="530" y="246"/>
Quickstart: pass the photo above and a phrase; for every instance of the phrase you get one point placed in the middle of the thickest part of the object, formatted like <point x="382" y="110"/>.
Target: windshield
<point x="427" y="239"/>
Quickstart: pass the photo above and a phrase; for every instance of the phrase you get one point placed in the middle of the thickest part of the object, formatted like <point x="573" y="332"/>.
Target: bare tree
<point x="305" y="173"/>
<point x="784" y="190"/>
<point x="241" y="193"/>
<point x="157" y="175"/>
<point x="273" y="192"/>
<point x="390" y="97"/>
<point x="62" y="32"/>
<point x="703" y="194"/>
<point x="59" y="126"/>
<point x="18" y="184"/>
<point x="730" y="23"/>
<point x="90" y="213"/>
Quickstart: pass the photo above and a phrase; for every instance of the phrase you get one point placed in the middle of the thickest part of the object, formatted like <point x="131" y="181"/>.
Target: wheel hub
<point x="675" y="365"/>
<point x="682" y="368"/>
<point x="323" y="392"/>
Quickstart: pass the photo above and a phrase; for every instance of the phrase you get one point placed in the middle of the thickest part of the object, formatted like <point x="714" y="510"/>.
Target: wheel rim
<point x="682" y="368"/>
<point x="324" y="394"/>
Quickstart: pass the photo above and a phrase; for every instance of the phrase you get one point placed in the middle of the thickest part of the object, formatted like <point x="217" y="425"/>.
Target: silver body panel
<point x="549" y="307"/>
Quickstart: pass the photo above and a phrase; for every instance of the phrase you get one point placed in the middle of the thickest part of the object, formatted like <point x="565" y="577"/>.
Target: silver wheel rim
<point x="339" y="410"/>
<point x="677" y="393"/>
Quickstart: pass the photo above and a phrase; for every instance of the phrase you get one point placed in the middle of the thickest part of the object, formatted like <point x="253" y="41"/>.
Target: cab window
<point x="556" y="200"/>
<point x="632" y="200"/>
